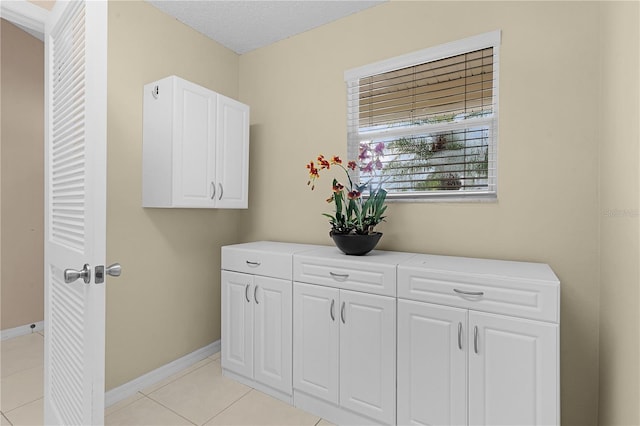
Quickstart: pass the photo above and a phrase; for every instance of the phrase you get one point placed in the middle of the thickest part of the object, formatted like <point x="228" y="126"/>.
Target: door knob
<point x="70" y="275"/>
<point x="114" y="270"/>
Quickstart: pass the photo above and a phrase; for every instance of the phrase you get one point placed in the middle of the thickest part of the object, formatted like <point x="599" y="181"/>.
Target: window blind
<point x="427" y="129"/>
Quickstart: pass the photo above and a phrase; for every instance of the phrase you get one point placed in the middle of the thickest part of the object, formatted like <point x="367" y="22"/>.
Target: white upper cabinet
<point x="195" y="147"/>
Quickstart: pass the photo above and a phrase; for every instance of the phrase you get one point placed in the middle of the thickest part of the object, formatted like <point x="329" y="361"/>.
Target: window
<point x="424" y="125"/>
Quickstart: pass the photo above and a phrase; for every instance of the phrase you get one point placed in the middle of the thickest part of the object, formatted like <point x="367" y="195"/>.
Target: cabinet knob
<point x="213" y="190"/>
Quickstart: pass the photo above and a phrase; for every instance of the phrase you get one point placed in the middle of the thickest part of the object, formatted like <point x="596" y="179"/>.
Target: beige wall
<point x="562" y="160"/>
<point x="167" y="302"/>
<point x="619" y="214"/>
<point x="22" y="222"/>
<point x="551" y="136"/>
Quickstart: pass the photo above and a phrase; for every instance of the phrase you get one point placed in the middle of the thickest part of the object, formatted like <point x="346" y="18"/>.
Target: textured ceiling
<point x="244" y="25"/>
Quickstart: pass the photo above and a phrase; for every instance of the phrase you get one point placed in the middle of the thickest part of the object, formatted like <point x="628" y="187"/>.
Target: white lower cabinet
<point x="486" y="352"/>
<point x="256" y="328"/>
<point x="257" y="287"/>
<point x="393" y="338"/>
<point x="344" y="349"/>
<point x="510" y="363"/>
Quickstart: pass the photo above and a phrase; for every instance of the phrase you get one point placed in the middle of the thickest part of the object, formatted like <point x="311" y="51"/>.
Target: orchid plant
<point x="354" y="213"/>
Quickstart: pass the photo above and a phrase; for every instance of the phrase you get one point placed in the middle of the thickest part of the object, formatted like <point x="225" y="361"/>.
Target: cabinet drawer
<point x="374" y="273"/>
<point x="527" y="290"/>
<point x="266" y="258"/>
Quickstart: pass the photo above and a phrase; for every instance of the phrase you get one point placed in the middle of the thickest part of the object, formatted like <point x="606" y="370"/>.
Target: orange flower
<point x="313" y="174"/>
<point x="352" y="165"/>
<point x="338" y="187"/>
<point x="324" y="164"/>
<point x="336" y="160"/>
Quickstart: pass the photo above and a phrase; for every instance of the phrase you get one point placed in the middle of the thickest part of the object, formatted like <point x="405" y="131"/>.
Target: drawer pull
<point x="254" y="264"/>
<point x="246" y="293"/>
<point x="255" y="295"/>
<point x="342" y="313"/>
<point x="475" y="339"/>
<point x="469" y="293"/>
<point x="339" y="276"/>
<point x="460" y="335"/>
<point x="331" y="310"/>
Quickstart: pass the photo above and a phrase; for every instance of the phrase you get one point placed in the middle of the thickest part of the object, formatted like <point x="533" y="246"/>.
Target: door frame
<point x="25" y="14"/>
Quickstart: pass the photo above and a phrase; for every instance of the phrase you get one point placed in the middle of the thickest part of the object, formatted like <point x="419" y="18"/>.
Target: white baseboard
<point x="130" y="388"/>
<point x="22" y="330"/>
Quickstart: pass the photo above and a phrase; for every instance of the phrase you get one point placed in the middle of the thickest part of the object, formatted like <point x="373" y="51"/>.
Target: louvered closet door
<point x="75" y="163"/>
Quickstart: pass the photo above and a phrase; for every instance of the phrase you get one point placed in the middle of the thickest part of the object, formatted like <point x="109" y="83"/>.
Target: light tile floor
<point x="198" y="395"/>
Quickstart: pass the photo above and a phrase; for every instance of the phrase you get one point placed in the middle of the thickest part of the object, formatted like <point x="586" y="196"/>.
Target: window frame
<point x="490" y="39"/>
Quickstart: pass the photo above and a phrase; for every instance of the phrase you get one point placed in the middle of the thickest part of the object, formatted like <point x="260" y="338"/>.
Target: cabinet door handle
<point x="331" y="310"/>
<point x="469" y="293"/>
<point x="255" y="295"/>
<point x="246" y="293"/>
<point x="339" y="276"/>
<point x="221" y="192"/>
<point x="475" y="339"/>
<point x="213" y="190"/>
<point x="251" y="263"/>
<point x="342" y="313"/>
<point x="460" y="335"/>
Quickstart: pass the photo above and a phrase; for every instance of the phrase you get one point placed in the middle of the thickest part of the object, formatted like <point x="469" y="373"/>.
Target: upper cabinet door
<point x="194" y="146"/>
<point x="232" y="154"/>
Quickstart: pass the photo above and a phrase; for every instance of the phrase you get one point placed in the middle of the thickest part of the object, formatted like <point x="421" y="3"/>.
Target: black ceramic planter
<point x="355" y="244"/>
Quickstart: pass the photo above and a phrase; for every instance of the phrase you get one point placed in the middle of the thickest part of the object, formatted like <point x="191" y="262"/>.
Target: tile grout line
<point x="125" y="405"/>
<point x="229" y="406"/>
<point x="172" y="410"/>
<point x="6" y="418"/>
<point x="41" y="396"/>
<point x="20" y="406"/>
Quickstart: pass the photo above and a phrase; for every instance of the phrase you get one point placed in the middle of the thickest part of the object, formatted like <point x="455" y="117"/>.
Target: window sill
<point x="448" y="198"/>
